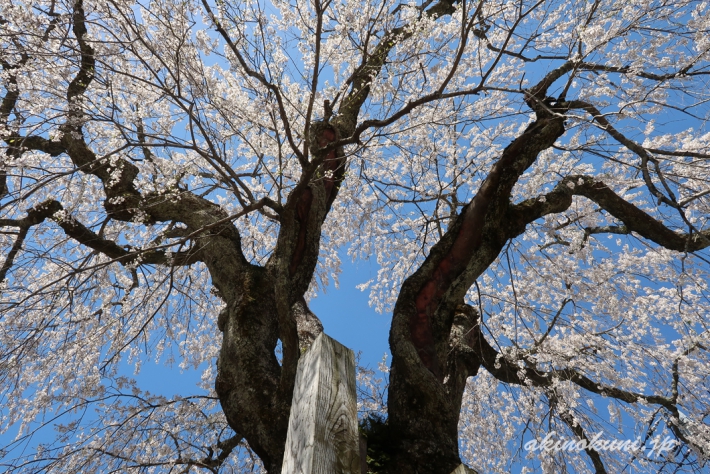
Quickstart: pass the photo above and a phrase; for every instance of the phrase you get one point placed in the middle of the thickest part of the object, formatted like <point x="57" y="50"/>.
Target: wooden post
<point x="322" y="429"/>
<point x="464" y="469"/>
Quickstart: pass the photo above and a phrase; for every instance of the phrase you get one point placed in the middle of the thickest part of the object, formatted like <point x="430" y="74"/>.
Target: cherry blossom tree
<point x="532" y="177"/>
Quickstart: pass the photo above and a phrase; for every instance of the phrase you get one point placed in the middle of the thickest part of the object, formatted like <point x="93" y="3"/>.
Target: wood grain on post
<point x="322" y="430"/>
<point x="464" y="469"/>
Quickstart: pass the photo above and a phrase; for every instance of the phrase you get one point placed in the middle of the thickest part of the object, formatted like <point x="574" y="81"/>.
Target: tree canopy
<point x="180" y="177"/>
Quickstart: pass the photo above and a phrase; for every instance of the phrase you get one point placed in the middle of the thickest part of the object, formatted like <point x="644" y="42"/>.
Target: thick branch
<point x="634" y="219"/>
<point x="111" y="249"/>
<point x="522" y="373"/>
<point x="299" y="241"/>
<point x="421" y="332"/>
<point x="81" y="81"/>
<point x="7" y="265"/>
<point x="475" y="236"/>
<point x="630" y="144"/>
<point x="54" y="210"/>
<point x="213" y="463"/>
<point x="685" y="71"/>
<point x="35" y="216"/>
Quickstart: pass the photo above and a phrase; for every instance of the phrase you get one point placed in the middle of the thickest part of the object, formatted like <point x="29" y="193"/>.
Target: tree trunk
<point x="249" y="375"/>
<point x="423" y="409"/>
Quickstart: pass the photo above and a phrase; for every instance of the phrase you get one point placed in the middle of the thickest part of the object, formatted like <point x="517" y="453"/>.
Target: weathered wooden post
<point x="322" y="429"/>
<point x="464" y="469"/>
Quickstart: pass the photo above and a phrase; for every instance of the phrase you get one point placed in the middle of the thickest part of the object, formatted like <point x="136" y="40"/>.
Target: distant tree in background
<point x="533" y="179"/>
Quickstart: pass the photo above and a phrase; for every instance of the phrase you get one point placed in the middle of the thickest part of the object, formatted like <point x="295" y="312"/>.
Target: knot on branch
<point x="463" y="339"/>
<point x="573" y="184"/>
<point x="308" y="325"/>
<point x="320" y="135"/>
<point x="42" y="211"/>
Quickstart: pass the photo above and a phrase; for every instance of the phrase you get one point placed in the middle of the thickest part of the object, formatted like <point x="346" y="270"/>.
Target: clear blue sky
<point x="348" y="318"/>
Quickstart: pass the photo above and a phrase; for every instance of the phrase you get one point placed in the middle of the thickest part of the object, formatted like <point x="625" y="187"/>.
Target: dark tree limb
<point x="634" y="147"/>
<point x="35" y="216"/>
<point x="10" y="259"/>
<point x="213" y="462"/>
<point x="634" y="219"/>
<point x="423" y="404"/>
<point x="51" y="209"/>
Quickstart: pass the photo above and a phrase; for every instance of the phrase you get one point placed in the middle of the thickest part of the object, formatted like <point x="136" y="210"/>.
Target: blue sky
<point x="348" y="318"/>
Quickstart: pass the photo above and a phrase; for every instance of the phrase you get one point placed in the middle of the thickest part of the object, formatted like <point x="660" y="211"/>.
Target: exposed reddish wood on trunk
<point x="333" y="174"/>
<point x="302" y="210"/>
<point x="467" y="241"/>
<point x="451" y="265"/>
